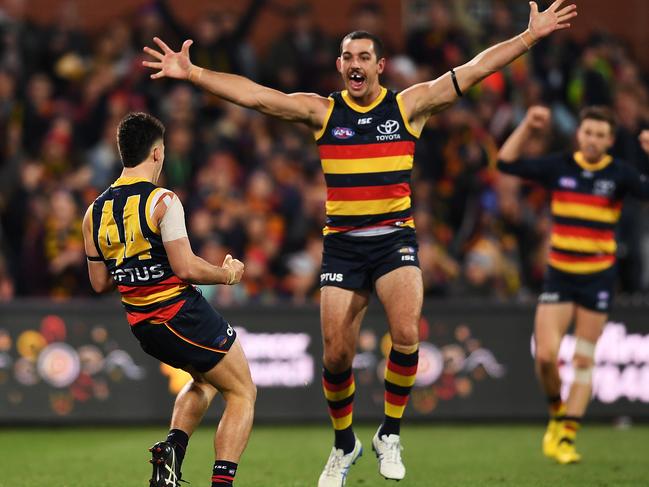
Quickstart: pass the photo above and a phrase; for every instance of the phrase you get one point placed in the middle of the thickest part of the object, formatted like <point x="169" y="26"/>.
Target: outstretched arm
<point x="297" y="107"/>
<point x="424" y="99"/>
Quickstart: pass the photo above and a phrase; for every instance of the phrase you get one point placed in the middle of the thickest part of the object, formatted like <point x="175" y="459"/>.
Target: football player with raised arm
<point x="366" y="136"/>
<point x="588" y="187"/>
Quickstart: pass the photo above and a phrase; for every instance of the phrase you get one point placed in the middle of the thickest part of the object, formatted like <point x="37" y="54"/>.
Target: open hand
<point x="545" y="23"/>
<point x="234" y="268"/>
<point x="169" y="63"/>
<point x="538" y="117"/>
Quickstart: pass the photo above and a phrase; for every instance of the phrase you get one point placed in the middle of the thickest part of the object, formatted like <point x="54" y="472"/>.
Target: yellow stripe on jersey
<point x="369" y="165"/>
<point x="358" y="108"/>
<point x="125" y="181"/>
<point x="367" y="207"/>
<point x="155" y="297"/>
<point x="402" y="110"/>
<point x="580" y="244"/>
<point x="580" y="267"/>
<point x="400" y="380"/>
<point x="108" y="235"/>
<point x="318" y="135"/>
<point x="149" y="216"/>
<point x="592" y="166"/>
<point x="339" y="395"/>
<point x="585" y="212"/>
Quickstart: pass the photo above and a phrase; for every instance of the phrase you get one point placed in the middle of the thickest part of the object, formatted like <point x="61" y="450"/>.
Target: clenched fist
<point x="234" y="268"/>
<point x="538" y="117"/>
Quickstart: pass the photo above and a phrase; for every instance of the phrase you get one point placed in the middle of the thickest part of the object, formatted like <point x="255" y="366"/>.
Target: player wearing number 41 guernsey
<point x="135" y="239"/>
<point x="587" y="191"/>
<point x="366" y="137"/>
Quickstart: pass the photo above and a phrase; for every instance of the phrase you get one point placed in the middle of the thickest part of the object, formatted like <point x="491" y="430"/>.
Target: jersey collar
<point x="592" y="166"/>
<point x="124" y="181"/>
<point x="358" y="108"/>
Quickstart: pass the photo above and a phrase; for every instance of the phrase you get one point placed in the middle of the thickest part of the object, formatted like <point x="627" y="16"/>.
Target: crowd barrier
<point x="77" y="362"/>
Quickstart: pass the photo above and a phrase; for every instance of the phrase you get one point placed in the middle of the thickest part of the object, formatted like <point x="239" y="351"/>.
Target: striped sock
<point x="569" y="427"/>
<point x="400" y="373"/>
<point x="339" y="392"/>
<point x="223" y="473"/>
<point x="557" y="407"/>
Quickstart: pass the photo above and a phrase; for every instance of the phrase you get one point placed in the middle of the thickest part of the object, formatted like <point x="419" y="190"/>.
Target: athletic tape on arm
<point x="172" y="224"/>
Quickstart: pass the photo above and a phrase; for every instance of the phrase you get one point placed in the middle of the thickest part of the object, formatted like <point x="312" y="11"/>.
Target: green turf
<point x="449" y="456"/>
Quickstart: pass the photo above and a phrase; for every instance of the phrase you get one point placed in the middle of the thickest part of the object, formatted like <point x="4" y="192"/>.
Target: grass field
<point x="448" y="456"/>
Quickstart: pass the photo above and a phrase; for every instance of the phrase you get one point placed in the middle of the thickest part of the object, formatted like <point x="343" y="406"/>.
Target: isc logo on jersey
<point x="388" y="130"/>
<point x="331" y="277"/>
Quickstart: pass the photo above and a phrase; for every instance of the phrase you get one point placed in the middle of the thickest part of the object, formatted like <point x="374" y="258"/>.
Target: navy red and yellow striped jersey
<point x="131" y="247"/>
<point x="586" y="206"/>
<point x="367" y="155"/>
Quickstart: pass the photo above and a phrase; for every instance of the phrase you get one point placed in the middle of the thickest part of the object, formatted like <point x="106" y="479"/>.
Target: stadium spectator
<point x="63" y="89"/>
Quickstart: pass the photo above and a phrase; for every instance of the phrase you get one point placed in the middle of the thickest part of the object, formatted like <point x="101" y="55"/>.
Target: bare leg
<point x="401" y="292"/>
<point x="551" y="323"/>
<point x="341" y="313"/>
<point x="231" y="376"/>
<point x="191" y="403"/>
<point x="588" y="328"/>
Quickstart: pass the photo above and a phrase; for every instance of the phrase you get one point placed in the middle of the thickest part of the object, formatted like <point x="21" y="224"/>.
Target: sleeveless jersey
<point x="132" y="250"/>
<point x="367" y="155"/>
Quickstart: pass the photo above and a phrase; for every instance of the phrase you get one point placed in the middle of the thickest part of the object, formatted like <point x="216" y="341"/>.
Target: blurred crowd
<point x="252" y="186"/>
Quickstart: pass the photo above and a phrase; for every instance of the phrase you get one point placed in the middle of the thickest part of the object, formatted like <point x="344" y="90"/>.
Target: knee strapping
<point x="584" y="361"/>
<point x="585" y="348"/>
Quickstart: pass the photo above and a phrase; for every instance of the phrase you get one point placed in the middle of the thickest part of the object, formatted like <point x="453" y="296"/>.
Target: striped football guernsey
<point x="586" y="206"/>
<point x="367" y="155"/>
<point x="130" y="244"/>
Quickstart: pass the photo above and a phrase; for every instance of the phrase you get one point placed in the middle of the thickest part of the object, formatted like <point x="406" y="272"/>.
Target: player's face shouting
<point x="594" y="138"/>
<point x="359" y="67"/>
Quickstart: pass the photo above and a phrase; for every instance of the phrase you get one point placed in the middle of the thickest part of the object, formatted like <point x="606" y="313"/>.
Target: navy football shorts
<point x="197" y="336"/>
<point x="357" y="262"/>
<point x="591" y="291"/>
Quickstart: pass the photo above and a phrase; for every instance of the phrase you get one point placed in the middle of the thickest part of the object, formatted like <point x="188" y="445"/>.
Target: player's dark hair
<point x="361" y="34"/>
<point x="136" y="134"/>
<point x="598" y="112"/>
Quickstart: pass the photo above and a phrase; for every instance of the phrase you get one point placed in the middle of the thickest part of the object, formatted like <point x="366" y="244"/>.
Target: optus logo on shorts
<point x="331" y="277"/>
<point x="342" y="132"/>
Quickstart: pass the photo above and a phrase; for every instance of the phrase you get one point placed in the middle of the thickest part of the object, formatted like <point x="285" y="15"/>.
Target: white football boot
<point x="335" y="471"/>
<point x="388" y="453"/>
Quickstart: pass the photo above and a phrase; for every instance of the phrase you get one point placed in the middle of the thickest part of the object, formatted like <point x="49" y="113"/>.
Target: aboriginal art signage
<point x="79" y="363"/>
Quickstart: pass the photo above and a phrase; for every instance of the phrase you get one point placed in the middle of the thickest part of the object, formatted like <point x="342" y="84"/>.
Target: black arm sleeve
<point x="637" y="184"/>
<point x="539" y="169"/>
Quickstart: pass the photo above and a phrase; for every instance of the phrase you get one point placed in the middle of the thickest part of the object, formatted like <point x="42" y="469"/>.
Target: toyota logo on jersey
<point x="389" y="127"/>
